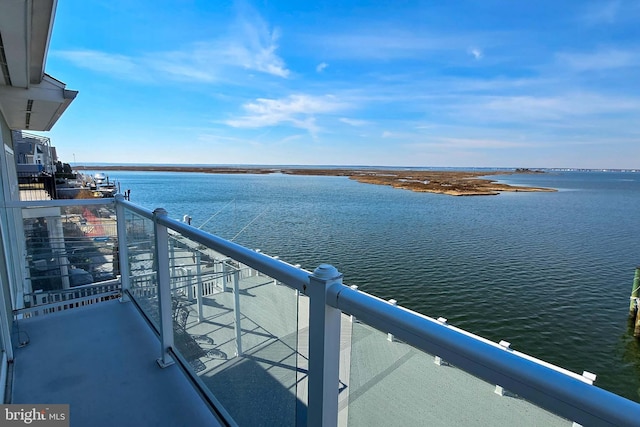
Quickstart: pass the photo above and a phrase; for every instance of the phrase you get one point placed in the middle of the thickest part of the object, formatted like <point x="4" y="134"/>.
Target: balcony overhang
<point x="25" y="31"/>
<point x="29" y="98"/>
<point x="36" y="108"/>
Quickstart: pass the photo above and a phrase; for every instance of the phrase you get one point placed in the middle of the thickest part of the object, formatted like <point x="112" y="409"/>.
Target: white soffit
<point x="29" y="99"/>
<point x="36" y="108"/>
<point x="25" y="30"/>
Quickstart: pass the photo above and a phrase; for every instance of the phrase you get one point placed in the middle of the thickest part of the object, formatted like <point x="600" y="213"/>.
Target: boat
<point x="103" y="186"/>
<point x="100" y="178"/>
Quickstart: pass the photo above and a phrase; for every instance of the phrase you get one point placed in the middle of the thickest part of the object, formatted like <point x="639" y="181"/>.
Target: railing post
<point x="437" y="359"/>
<point x="352" y="318"/>
<point x="189" y="285"/>
<point x="324" y="349"/>
<point x="164" y="290"/>
<point x="172" y="264"/>
<point x="199" y="287"/>
<point x="123" y="249"/>
<point x="236" y="310"/>
<point x="390" y="336"/>
<point x="218" y="278"/>
<point x="225" y="276"/>
<point x="275" y="282"/>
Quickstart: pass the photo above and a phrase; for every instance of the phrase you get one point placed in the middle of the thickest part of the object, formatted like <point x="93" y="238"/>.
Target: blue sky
<point x="399" y="83"/>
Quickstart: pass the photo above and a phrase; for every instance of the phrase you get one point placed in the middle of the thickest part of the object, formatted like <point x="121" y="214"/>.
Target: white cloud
<point x="113" y="64"/>
<point x="250" y="44"/>
<point x="353" y="122"/>
<point x="600" y="60"/>
<point x="321" y="67"/>
<point x="473" y="143"/>
<point x="194" y="64"/>
<point x="562" y="106"/>
<point x="610" y="12"/>
<point x="382" y="45"/>
<point x="602" y="12"/>
<point x="568" y="113"/>
<point x="290" y="138"/>
<point x="253" y="44"/>
<point x="476" y="53"/>
<point x="296" y="110"/>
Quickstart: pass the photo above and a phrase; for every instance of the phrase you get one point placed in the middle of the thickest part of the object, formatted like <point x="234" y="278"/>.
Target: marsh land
<point x="454" y="183"/>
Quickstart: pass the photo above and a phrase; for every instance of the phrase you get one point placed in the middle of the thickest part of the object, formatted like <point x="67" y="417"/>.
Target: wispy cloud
<point x="353" y="122"/>
<point x="296" y="110"/>
<point x="121" y="66"/>
<point x="569" y="114"/>
<point x="195" y="64"/>
<point x="290" y="138"/>
<point x="250" y="44"/>
<point x="383" y="45"/>
<point x="561" y="107"/>
<point x="254" y="44"/>
<point x="476" y="53"/>
<point x="473" y="143"/>
<point x="321" y="67"/>
<point x="610" y="12"/>
<point x="604" y="12"/>
<point x="600" y="60"/>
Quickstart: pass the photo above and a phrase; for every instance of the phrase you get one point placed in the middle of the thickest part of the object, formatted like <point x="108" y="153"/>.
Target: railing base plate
<point x="164" y="364"/>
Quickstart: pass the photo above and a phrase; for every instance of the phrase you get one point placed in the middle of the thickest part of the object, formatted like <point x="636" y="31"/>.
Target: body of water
<point x="549" y="272"/>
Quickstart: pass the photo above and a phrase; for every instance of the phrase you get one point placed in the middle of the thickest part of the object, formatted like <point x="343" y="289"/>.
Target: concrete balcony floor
<point x="101" y="359"/>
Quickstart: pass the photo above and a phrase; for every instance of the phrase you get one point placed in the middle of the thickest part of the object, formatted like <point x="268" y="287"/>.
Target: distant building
<point x="33" y="153"/>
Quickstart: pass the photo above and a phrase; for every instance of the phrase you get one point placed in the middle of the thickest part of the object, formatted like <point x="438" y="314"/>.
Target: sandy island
<point x="454" y="183"/>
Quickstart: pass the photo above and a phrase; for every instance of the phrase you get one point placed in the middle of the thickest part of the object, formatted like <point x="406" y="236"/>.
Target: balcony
<point x="140" y="314"/>
<point x="100" y="360"/>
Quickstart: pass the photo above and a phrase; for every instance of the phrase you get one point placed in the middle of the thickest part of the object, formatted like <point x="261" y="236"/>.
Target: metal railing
<point x="177" y="306"/>
<point x="41" y="303"/>
<point x="36" y="186"/>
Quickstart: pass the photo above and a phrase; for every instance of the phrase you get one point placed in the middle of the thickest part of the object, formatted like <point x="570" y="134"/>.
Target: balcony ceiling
<point x="29" y="98"/>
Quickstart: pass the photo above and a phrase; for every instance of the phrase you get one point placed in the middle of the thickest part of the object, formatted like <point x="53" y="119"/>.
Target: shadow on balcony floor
<point x="101" y="360"/>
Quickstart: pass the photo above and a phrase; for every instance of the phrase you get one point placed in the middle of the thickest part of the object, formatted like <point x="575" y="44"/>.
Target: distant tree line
<point x="527" y="170"/>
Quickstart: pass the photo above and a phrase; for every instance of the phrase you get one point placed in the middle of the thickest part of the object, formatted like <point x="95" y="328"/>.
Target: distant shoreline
<point x="450" y="182"/>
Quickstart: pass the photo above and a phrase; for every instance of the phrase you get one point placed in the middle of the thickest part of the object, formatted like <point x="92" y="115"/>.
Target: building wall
<point x="33" y="149"/>
<point x="7" y="263"/>
<point x="13" y="225"/>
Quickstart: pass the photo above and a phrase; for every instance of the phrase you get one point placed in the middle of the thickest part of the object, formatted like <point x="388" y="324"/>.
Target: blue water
<point x="549" y="272"/>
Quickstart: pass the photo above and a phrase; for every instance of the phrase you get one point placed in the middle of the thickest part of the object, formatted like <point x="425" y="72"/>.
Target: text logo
<point x="34" y="415"/>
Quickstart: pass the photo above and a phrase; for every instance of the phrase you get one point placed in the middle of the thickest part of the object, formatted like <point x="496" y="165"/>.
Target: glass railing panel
<point x="237" y="329"/>
<point x="71" y="252"/>
<point x="392" y="383"/>
<point x="142" y="265"/>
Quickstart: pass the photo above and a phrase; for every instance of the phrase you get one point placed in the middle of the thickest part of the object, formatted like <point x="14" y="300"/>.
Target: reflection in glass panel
<point x="142" y="268"/>
<point x="392" y="383"/>
<point x="71" y="252"/>
<point x="238" y="331"/>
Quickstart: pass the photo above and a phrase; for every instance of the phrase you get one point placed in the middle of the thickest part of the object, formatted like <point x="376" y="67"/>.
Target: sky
<point x="387" y="83"/>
